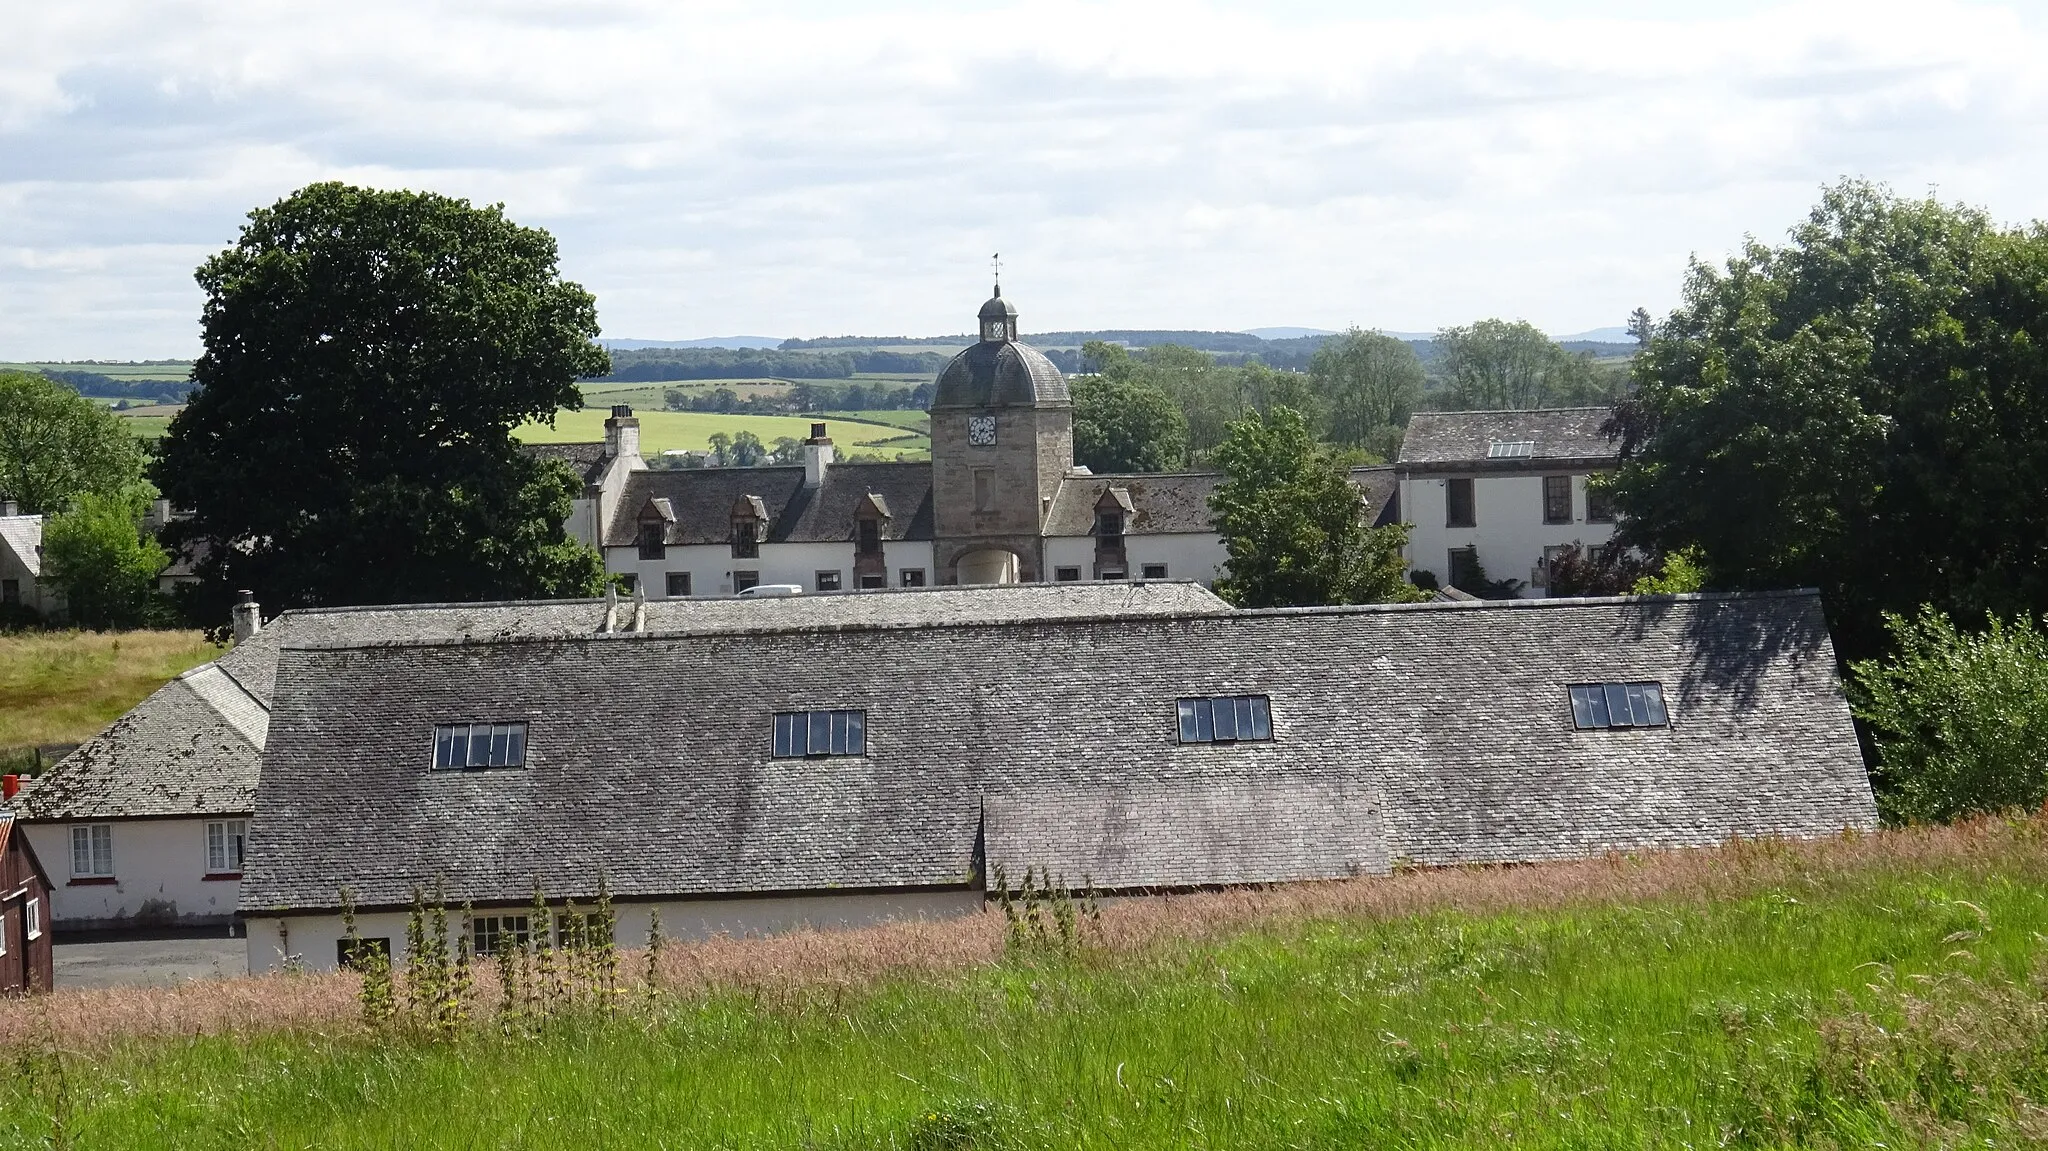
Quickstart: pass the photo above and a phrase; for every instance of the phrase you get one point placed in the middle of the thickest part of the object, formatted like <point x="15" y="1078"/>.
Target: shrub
<point x="1960" y="720"/>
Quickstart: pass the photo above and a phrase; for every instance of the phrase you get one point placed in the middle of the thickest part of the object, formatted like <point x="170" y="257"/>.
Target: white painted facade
<point x="711" y="566"/>
<point x="315" y="940"/>
<point x="21" y="566"/>
<point x="1184" y="555"/>
<point x="160" y="875"/>
<point x="1508" y="528"/>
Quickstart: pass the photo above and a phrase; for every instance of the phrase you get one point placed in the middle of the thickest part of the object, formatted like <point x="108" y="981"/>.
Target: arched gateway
<point x="1002" y="439"/>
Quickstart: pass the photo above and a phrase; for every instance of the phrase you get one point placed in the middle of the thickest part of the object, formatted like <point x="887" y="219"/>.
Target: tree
<point x="787" y="450"/>
<point x="1641" y="327"/>
<point x="1295" y="525"/>
<point x="1126" y="425"/>
<point x="104" y="564"/>
<point x="1960" y="720"/>
<point x="55" y="445"/>
<point x="748" y="450"/>
<point x="1494" y="365"/>
<point x="1864" y="410"/>
<point x="1368" y="381"/>
<point x="367" y="355"/>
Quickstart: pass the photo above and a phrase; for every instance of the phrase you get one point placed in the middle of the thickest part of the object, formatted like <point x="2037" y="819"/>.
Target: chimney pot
<point x="818" y="431"/>
<point x="247" y="616"/>
<point x="9" y="508"/>
<point x="10" y="786"/>
<point x="619" y="411"/>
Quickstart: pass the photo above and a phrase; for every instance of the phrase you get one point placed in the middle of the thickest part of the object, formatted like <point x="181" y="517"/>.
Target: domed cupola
<point x="999" y="371"/>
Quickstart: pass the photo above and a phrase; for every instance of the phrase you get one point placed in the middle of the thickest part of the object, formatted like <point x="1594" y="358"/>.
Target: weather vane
<point x="997" y="260"/>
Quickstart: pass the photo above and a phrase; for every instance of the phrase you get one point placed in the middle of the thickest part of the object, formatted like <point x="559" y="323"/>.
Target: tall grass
<point x="1867" y="990"/>
<point x="62" y="687"/>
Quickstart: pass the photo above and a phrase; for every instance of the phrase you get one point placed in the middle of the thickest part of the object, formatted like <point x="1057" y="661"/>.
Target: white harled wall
<point x="711" y="565"/>
<point x="1508" y="527"/>
<point x="1187" y="555"/>
<point x="159" y="872"/>
<point x="315" y="939"/>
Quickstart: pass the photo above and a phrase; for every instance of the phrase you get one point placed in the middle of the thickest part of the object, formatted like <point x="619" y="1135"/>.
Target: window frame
<point x="96" y="836"/>
<point x="669" y="585"/>
<point x="867" y="537"/>
<point x="441" y="755"/>
<point x="1599" y="505"/>
<point x="1109" y="526"/>
<point x="833" y="580"/>
<point x="1197" y="722"/>
<point x="1593" y="705"/>
<point x="1466" y="485"/>
<point x="872" y="581"/>
<point x="10" y="591"/>
<point x="653" y="540"/>
<point x="752" y="576"/>
<point x="844" y="732"/>
<point x="499" y="931"/>
<point x="984" y="489"/>
<point x="231" y="842"/>
<point x="746" y="538"/>
<point x="1066" y="574"/>
<point x="350" y="953"/>
<point x="1152" y="571"/>
<point x="1550" y="497"/>
<point x="906" y="579"/>
<point x="32" y="917"/>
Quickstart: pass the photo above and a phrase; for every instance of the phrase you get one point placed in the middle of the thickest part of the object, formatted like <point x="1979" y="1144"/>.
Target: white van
<point x="765" y="590"/>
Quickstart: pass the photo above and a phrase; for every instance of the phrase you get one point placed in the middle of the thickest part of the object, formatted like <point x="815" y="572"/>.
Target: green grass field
<point x="169" y="370"/>
<point x="1862" y="993"/>
<point x="62" y="687"/>
<point x="691" y="431"/>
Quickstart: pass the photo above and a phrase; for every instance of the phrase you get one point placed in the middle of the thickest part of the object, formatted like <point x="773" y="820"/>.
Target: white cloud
<point x="741" y="168"/>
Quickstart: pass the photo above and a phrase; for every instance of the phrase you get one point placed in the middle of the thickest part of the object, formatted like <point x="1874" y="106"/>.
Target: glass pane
<point x="839" y="732"/>
<point x="856" y="733"/>
<point x="458" y="745"/>
<point x="1582" y="708"/>
<point x="1262" y="718"/>
<point x="479" y="745"/>
<point x="1638" y="713"/>
<point x="515" y="752"/>
<point x="500" y="736"/>
<point x="820" y="739"/>
<point x="1187" y="721"/>
<point x="1226" y="718"/>
<point x="784" y="741"/>
<point x="237" y="836"/>
<point x="1617" y="706"/>
<point x="216" y="847"/>
<point x="1653" y="704"/>
<point x="81" y="850"/>
<point x="1204" y="731"/>
<point x="103" y="850"/>
<point x="441" y="737"/>
<point x="1244" y="717"/>
<point x="1596" y="705"/>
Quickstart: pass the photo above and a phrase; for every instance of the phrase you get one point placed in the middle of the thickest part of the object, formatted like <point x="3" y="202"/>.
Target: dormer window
<point x="1109" y="527"/>
<point x="651" y="545"/>
<point x="870" y="541"/>
<point x="749" y="521"/>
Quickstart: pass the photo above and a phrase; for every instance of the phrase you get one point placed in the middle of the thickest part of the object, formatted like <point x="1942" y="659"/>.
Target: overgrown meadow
<point x="1873" y="990"/>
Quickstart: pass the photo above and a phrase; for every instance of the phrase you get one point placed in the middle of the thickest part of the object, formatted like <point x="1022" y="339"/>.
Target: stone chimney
<point x="247" y="616"/>
<point x="160" y="513"/>
<point x="9" y="508"/>
<point x="622" y="433"/>
<point x="817" y="456"/>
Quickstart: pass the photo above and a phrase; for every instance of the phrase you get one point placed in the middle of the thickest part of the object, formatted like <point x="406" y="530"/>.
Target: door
<point x="14" y="964"/>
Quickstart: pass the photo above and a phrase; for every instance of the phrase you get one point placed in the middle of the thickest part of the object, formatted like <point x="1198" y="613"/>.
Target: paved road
<point x="149" y="962"/>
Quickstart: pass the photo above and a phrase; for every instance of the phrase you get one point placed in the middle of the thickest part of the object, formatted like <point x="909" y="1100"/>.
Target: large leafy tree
<point x="348" y="441"/>
<point x="1369" y="381"/>
<point x="1295" y="525"/>
<point x="1864" y="410"/>
<point x="56" y="445"/>
<point x="1496" y="364"/>
<point x="1122" y="424"/>
<point x="97" y="556"/>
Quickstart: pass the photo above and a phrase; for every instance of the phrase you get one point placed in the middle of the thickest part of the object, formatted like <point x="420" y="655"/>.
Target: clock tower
<point x="1002" y="440"/>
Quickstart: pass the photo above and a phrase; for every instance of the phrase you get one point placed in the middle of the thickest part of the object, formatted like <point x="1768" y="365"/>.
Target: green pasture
<point x="1886" y="1007"/>
<point x="167" y="370"/>
<point x="692" y="431"/>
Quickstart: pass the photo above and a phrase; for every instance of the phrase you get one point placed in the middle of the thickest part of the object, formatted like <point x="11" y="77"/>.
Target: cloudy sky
<point x="765" y="169"/>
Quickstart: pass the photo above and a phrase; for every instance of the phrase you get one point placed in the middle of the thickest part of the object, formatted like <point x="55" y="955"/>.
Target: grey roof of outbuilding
<point x="1167" y="503"/>
<point x="23" y="535"/>
<point x="1463" y="438"/>
<point x="999" y="373"/>
<point x="1437" y="733"/>
<point x="585" y="459"/>
<point x="192" y="748"/>
<point x="703" y="498"/>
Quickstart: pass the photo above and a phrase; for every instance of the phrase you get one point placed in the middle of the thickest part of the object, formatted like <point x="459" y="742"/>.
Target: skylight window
<point x="1225" y="719"/>
<point x="816" y="733"/>
<point x="1510" y="449"/>
<point x="462" y="745"/>
<point x="1607" y="705"/>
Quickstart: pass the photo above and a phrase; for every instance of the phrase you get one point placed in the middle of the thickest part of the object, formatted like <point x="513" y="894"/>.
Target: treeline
<point x="106" y="387"/>
<point x="727" y="364"/>
<point x="803" y="397"/>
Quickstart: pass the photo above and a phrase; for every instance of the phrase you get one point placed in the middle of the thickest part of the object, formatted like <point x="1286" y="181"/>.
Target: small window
<point x="1109" y="529"/>
<point x="627" y="582"/>
<point x="870" y="540"/>
<point x="1607" y="705"/>
<point x="464" y="745"/>
<point x="1066" y="575"/>
<point x="10" y="591"/>
<point x="871" y="582"/>
<point x="1155" y="571"/>
<point x="1458" y="503"/>
<point x="1225" y="719"/>
<point x="814" y="733"/>
<point x="582" y="929"/>
<point x="224" y="842"/>
<point x="913" y="577"/>
<point x="1465" y="569"/>
<point x="34" y="911"/>
<point x="746" y="538"/>
<point x="490" y="934"/>
<point x="678" y="584"/>
<point x="92" y="851"/>
<point x="1599" y="505"/>
<point x="741" y="581"/>
<point x="828" y="581"/>
<point x="651" y="545"/>
<point x="354" y="954"/>
<point x="984" y="490"/>
<point x="1510" y="449"/>
<point x="1557" y="499"/>
<point x="1112" y="573"/>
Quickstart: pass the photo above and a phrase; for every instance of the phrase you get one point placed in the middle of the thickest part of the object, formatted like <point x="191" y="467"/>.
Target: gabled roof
<point x="1169" y="503"/>
<point x="23" y="535"/>
<point x="191" y="749"/>
<point x="703" y="500"/>
<point x="586" y="459"/>
<point x="1437" y="733"/>
<point x="1464" y="440"/>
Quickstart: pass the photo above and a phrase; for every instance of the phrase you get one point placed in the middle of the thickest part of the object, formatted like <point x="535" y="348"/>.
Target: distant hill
<point x="730" y="343"/>
<point x="1287" y="333"/>
<point x="1598" y="336"/>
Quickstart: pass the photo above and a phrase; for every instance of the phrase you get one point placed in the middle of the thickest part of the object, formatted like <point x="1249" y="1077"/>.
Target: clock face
<point x="981" y="431"/>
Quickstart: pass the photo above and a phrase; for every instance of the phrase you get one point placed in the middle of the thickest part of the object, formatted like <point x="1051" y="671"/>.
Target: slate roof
<point x="23" y="535"/>
<point x="1435" y="733"/>
<point x="999" y="373"/>
<point x="702" y="500"/>
<point x="585" y="459"/>
<point x="191" y="749"/>
<point x="1444" y="440"/>
<point x="1178" y="502"/>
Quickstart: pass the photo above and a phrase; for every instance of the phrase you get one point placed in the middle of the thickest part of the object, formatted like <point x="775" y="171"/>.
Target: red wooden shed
<point x="26" y="961"/>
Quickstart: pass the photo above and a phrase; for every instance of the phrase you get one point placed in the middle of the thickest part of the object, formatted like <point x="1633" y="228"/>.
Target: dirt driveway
<point x="151" y="962"/>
